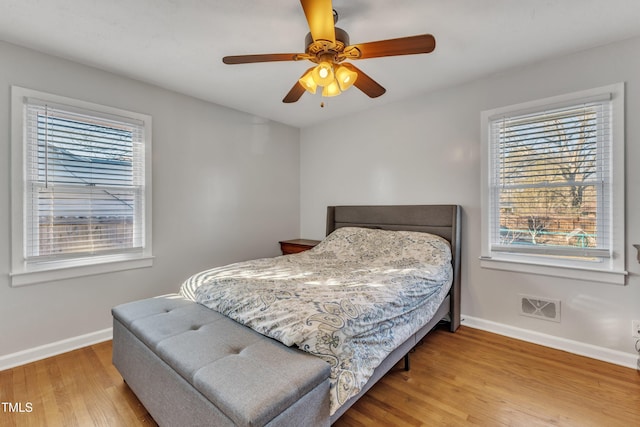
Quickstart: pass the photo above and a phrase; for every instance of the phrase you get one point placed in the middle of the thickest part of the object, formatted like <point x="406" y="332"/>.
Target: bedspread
<point x="350" y="300"/>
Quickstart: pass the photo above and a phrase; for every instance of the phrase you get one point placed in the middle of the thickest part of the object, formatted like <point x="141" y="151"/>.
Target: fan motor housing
<point x="319" y="47"/>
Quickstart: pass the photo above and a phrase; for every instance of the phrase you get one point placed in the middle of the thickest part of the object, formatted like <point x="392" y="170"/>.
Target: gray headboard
<point x="442" y="220"/>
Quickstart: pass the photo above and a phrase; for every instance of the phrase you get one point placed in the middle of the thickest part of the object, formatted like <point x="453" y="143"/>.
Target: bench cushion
<point x="249" y="377"/>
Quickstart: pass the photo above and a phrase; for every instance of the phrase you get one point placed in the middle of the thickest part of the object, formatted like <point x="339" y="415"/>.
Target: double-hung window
<point x="553" y="186"/>
<point x="80" y="188"/>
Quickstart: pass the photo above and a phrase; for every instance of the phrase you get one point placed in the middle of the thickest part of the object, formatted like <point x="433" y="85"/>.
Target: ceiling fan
<point x="328" y="47"/>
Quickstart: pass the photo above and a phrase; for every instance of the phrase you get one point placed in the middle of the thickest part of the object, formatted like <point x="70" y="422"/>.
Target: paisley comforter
<point x="351" y="300"/>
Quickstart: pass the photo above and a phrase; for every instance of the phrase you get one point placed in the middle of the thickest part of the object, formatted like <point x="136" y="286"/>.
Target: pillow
<point x="386" y="247"/>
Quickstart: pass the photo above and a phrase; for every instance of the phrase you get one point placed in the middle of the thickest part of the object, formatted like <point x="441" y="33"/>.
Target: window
<point x="80" y="188"/>
<point x="553" y="186"/>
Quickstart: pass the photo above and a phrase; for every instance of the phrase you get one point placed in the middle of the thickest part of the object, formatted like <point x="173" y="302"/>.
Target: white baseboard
<point x="616" y="357"/>
<point x="42" y="352"/>
<point x="628" y="360"/>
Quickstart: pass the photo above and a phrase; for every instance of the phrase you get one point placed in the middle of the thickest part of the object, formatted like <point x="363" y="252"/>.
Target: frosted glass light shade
<point x="332" y="89"/>
<point x="308" y="82"/>
<point x="323" y="74"/>
<point x="345" y="77"/>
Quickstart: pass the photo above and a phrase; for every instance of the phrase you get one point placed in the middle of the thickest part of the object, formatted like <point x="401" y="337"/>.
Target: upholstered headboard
<point x="441" y="220"/>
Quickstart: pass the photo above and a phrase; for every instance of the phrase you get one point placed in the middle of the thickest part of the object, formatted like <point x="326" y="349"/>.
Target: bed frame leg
<point x="406" y="362"/>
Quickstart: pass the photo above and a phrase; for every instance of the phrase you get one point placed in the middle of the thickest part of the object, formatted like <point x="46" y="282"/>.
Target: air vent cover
<point x="540" y="308"/>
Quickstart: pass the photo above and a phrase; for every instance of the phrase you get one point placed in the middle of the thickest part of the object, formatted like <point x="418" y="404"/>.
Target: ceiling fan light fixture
<point x="345" y="77"/>
<point x="308" y="83"/>
<point x="327" y="47"/>
<point x="323" y="73"/>
<point x="332" y="89"/>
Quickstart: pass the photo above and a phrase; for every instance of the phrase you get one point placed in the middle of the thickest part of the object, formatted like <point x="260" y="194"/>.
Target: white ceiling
<point x="179" y="44"/>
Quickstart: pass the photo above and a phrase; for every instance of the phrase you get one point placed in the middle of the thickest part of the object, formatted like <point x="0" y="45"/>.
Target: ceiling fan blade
<point x="267" y="57"/>
<point x="365" y="83"/>
<point x="296" y="91"/>
<point x="319" y="15"/>
<point x="412" y="45"/>
<point x="294" y="94"/>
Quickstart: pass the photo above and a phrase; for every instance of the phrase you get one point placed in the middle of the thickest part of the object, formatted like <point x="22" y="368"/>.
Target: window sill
<point x="577" y="273"/>
<point x="60" y="270"/>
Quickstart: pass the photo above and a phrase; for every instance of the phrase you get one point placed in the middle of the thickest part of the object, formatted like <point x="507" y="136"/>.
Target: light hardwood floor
<point x="467" y="378"/>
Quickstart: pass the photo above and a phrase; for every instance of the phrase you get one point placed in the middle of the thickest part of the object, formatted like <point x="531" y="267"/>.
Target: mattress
<point x="351" y="300"/>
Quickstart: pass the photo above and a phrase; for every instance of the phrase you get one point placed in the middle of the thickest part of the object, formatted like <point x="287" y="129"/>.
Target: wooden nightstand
<point x="297" y="245"/>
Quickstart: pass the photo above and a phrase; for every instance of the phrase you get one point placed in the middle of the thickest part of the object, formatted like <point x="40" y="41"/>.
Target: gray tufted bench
<point x="192" y="366"/>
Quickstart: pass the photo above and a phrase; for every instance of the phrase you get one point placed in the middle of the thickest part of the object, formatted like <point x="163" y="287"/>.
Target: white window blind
<point x="550" y="181"/>
<point x="84" y="182"/>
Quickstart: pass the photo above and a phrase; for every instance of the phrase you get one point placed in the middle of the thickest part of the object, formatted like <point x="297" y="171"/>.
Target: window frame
<point x="26" y="273"/>
<point x="606" y="270"/>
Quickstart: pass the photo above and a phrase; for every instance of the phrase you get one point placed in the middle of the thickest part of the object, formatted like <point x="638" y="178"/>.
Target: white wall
<point x="427" y="150"/>
<point x="245" y="194"/>
<point x="225" y="188"/>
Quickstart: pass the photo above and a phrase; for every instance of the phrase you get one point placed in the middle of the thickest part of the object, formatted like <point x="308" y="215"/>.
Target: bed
<point x="338" y="331"/>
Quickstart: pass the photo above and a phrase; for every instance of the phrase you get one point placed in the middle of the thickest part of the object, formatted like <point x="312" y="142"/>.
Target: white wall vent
<point x="540" y="308"/>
